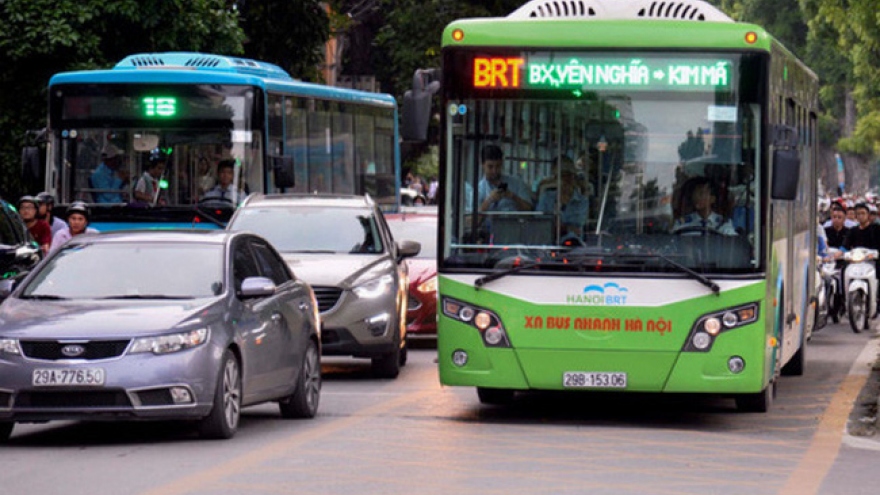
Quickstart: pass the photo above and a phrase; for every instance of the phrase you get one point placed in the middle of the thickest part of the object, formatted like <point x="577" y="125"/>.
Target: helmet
<point x="29" y="199"/>
<point x="46" y="197"/>
<point x="158" y="155"/>
<point x="78" y="207"/>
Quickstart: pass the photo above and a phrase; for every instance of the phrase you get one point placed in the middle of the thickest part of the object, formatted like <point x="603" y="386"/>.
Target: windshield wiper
<point x="44" y="297"/>
<point x="146" y="296"/>
<point x="502" y="273"/>
<point x="690" y="271"/>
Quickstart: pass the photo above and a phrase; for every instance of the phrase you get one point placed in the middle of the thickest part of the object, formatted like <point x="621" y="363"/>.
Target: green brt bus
<point x="628" y="202"/>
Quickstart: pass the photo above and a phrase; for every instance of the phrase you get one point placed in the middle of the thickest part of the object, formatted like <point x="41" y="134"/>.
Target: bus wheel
<point x="795" y="367"/>
<point x="495" y="396"/>
<point x="760" y="402"/>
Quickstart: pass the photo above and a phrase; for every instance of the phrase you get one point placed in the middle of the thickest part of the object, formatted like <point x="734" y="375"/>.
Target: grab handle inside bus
<point x="786" y="163"/>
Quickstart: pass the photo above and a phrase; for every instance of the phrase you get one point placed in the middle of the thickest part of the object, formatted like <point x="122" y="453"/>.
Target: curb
<point x="861" y="428"/>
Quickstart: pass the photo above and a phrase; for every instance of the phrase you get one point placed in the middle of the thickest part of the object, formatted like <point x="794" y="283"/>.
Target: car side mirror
<point x="408" y="249"/>
<point x="253" y="287"/>
<point x="6" y="287"/>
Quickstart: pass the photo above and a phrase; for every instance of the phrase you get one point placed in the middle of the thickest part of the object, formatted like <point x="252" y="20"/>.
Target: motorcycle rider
<point x="835" y="235"/>
<point x="866" y="234"/>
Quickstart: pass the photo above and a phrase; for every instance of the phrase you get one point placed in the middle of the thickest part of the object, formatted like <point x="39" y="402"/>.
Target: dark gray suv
<point x="343" y="248"/>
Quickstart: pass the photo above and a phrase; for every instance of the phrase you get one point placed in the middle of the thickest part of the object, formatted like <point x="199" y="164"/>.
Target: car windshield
<point x="313" y="229"/>
<point x="422" y="229"/>
<point x="130" y="271"/>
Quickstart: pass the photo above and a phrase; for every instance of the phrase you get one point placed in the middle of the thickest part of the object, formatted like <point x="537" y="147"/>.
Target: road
<point x="411" y="435"/>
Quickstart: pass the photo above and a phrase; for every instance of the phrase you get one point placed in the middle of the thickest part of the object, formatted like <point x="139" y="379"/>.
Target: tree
<point x="289" y="33"/>
<point x="42" y="37"/>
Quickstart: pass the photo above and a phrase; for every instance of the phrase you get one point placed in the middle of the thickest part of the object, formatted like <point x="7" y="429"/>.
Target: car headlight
<point x="172" y="342"/>
<point x="374" y="288"/>
<point x="9" y="346"/>
<point x="429" y="285"/>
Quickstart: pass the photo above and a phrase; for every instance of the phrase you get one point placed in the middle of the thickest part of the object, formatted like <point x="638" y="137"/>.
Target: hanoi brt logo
<point x="610" y="294"/>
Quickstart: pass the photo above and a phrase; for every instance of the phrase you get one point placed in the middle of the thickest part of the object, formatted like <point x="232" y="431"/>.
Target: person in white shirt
<point x="225" y="189"/>
<point x="147" y="189"/>
<point x="703" y="218"/>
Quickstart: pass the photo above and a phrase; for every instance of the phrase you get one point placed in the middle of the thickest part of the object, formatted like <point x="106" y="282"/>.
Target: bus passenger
<point x="109" y="177"/>
<point x="147" y="189"/>
<point x="47" y="203"/>
<point x="39" y="229"/>
<point x="702" y="196"/>
<point x="78" y="223"/>
<point x="573" y="205"/>
<point x="224" y="190"/>
<point x="498" y="191"/>
<point x="206" y="179"/>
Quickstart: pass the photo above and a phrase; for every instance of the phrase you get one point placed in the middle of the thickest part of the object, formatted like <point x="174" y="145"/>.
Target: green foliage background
<point x="839" y="39"/>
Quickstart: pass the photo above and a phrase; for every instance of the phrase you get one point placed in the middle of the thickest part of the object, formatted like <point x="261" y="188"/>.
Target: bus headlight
<point x="710" y="326"/>
<point x="486" y="322"/>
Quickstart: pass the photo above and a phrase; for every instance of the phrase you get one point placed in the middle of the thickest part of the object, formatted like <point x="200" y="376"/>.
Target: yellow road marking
<point x="245" y="463"/>
<point x="820" y="456"/>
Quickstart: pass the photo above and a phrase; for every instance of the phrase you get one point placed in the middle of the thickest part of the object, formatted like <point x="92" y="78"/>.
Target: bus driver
<point x="702" y="218"/>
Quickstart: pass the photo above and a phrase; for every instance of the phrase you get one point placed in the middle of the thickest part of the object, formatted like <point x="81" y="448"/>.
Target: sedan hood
<point x="42" y="319"/>
<point x="337" y="270"/>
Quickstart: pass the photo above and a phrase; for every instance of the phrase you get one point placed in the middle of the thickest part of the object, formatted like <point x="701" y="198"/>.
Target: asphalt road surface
<point x="411" y="435"/>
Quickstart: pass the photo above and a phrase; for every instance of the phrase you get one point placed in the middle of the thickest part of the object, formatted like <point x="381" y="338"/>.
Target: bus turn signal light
<point x="457" y="34"/>
<point x="751" y="37"/>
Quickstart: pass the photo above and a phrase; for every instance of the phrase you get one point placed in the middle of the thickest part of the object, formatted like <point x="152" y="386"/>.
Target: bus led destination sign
<point x="581" y="72"/>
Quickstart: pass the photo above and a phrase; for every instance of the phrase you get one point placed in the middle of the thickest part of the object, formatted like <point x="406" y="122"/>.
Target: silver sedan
<point x="189" y="325"/>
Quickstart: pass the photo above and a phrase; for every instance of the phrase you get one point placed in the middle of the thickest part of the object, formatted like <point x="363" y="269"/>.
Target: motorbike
<point x="832" y="289"/>
<point x="861" y="287"/>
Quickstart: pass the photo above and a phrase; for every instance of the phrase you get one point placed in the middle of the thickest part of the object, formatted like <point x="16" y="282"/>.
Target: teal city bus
<point x="197" y="109"/>
<point x="628" y="202"/>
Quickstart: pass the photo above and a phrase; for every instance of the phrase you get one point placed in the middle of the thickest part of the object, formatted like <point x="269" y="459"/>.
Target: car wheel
<point x="387" y="365"/>
<point x="222" y="423"/>
<point x="6" y="430"/>
<point x="303" y="403"/>
<point x="404" y="353"/>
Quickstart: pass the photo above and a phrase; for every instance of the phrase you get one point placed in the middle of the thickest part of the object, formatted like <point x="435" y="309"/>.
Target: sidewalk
<point x="863" y="426"/>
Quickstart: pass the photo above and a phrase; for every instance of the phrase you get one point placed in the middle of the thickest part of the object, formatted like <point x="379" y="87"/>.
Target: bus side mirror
<point x="417" y="105"/>
<point x="786" y="164"/>
<point x="282" y="169"/>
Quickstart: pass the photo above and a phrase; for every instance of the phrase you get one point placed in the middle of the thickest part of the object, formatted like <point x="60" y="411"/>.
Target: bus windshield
<point x="573" y="161"/>
<point x="208" y="138"/>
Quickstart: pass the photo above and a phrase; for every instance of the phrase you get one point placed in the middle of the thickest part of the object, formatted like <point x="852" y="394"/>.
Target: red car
<point x="419" y="224"/>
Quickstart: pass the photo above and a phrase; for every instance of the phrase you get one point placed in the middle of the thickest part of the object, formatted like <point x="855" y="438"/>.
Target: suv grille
<point x="51" y="350"/>
<point x="327" y="297"/>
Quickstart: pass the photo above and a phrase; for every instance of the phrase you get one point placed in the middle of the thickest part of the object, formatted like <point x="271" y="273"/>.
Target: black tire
<point x="6" y="430"/>
<point x="857" y="309"/>
<point x="795" y="366"/>
<point x="303" y="402"/>
<point x="495" y="396"/>
<point x="387" y="365"/>
<point x="223" y="421"/>
<point x="404" y="353"/>
<point x="757" y="403"/>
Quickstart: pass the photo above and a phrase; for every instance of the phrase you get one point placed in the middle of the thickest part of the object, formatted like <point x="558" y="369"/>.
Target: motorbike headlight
<point x="374" y="288"/>
<point x="857" y="256"/>
<point x="9" y="346"/>
<point x="429" y="285"/>
<point x="172" y="342"/>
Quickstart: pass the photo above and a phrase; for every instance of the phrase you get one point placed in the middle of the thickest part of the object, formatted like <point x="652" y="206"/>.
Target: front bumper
<point x="360" y="327"/>
<point x="135" y="387"/>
